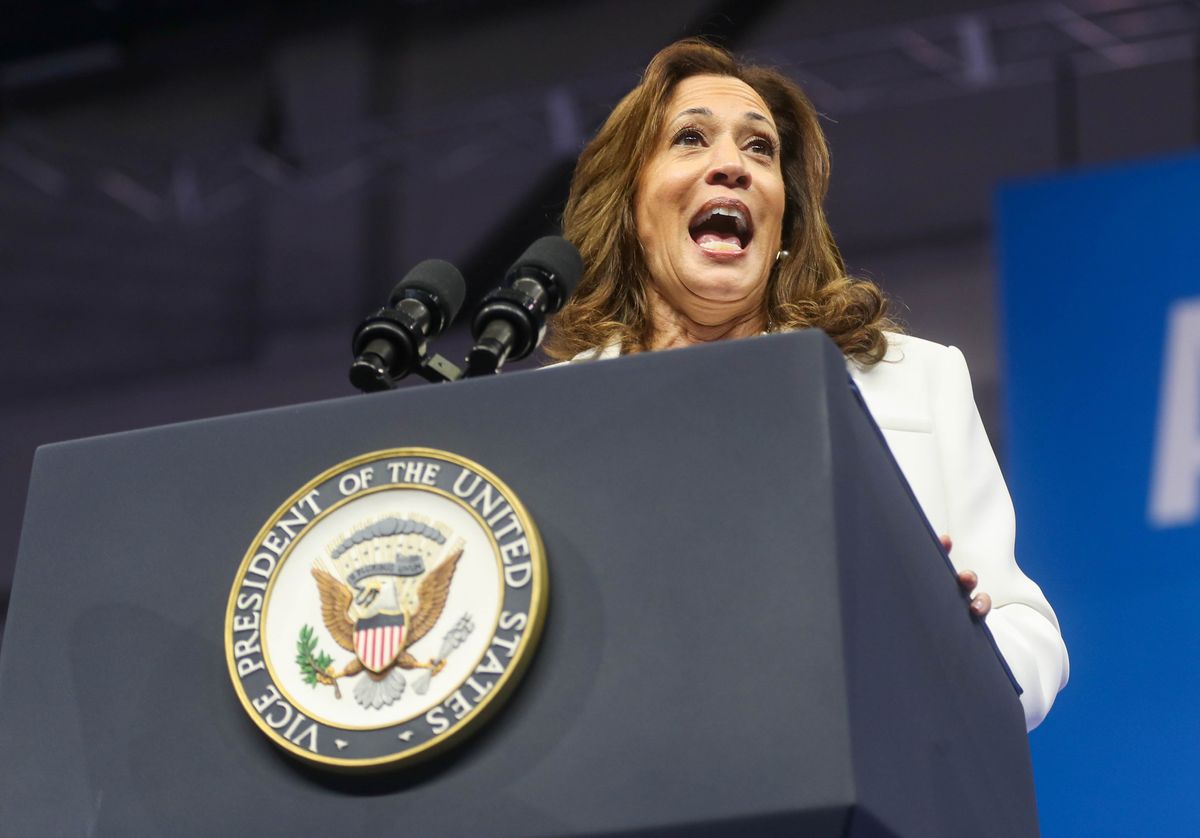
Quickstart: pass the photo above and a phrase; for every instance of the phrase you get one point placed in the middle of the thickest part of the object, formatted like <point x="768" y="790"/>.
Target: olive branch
<point x="316" y="667"/>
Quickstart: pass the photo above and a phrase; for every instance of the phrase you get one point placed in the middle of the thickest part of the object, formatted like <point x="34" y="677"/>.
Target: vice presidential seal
<point x="384" y="608"/>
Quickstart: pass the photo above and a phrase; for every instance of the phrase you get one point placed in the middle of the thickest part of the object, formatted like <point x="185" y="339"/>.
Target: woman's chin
<point x="725" y="283"/>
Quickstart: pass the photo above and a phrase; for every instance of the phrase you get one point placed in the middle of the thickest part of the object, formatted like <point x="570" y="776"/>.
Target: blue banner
<point x="1100" y="279"/>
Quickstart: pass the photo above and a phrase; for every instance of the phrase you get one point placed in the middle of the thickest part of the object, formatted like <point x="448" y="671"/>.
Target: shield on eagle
<point x="379" y="640"/>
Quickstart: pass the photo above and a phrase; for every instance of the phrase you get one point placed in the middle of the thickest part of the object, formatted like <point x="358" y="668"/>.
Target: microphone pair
<point x="508" y="325"/>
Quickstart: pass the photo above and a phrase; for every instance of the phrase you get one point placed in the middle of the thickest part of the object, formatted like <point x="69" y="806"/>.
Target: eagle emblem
<point x="383" y="588"/>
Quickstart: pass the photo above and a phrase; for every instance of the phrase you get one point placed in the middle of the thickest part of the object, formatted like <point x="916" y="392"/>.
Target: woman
<point x="698" y="212"/>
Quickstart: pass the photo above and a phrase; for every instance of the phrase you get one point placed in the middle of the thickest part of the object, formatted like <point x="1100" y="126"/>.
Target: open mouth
<point x="723" y="225"/>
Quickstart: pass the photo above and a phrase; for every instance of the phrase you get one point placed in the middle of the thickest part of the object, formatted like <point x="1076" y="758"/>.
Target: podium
<point x="751" y="627"/>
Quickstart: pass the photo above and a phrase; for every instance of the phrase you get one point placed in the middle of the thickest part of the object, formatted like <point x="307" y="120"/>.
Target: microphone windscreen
<point x="441" y="281"/>
<point x="556" y="256"/>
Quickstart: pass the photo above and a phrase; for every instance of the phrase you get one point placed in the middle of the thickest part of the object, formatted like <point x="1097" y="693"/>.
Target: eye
<point x="762" y="145"/>
<point x="689" y="136"/>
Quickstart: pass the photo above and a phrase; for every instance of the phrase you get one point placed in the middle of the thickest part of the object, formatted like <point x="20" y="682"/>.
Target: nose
<point x="727" y="167"/>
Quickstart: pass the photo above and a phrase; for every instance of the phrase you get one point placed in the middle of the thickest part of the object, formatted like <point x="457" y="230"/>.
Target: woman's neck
<point x="674" y="329"/>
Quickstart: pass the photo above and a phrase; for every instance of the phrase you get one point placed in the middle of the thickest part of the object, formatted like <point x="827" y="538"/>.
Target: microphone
<point x="511" y="320"/>
<point x="392" y="342"/>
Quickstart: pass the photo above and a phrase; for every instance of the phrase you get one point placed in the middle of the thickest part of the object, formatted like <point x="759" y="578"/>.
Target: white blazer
<point x="920" y="395"/>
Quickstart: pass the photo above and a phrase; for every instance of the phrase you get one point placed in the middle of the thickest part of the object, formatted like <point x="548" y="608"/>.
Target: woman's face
<point x="710" y="200"/>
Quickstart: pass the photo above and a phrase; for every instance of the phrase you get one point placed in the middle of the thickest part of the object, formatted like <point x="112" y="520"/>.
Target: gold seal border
<point x="495" y="697"/>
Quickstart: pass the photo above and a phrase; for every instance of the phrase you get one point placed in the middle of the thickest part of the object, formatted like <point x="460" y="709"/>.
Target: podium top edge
<point x="804" y="340"/>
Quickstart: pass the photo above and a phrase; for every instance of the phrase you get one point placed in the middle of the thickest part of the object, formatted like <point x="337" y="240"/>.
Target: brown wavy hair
<point x="807" y="288"/>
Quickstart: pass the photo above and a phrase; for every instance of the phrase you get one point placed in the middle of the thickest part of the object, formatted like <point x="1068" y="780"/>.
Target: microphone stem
<point x="491" y="349"/>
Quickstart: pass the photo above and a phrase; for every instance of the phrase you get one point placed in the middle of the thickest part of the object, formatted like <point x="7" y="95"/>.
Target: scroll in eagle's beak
<point x="366" y="596"/>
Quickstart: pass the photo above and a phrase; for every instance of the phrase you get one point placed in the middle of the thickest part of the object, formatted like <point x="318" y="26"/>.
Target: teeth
<point x="729" y="212"/>
<point x="720" y="247"/>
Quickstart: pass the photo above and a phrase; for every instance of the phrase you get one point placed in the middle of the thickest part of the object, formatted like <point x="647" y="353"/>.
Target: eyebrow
<point x="754" y="115"/>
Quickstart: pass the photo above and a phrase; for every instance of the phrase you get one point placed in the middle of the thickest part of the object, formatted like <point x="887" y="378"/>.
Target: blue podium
<point x="751" y="628"/>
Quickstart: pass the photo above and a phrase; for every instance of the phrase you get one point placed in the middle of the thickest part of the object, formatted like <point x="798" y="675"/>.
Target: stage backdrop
<point x="1101" y="305"/>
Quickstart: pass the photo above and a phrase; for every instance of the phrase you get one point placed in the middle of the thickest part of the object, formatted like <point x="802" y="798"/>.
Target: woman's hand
<point x="981" y="603"/>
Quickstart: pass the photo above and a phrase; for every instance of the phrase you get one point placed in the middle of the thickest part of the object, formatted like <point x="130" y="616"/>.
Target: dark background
<point x="199" y="200"/>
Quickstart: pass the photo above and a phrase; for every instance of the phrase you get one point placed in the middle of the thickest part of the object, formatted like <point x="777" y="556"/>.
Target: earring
<point x="783" y="254"/>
